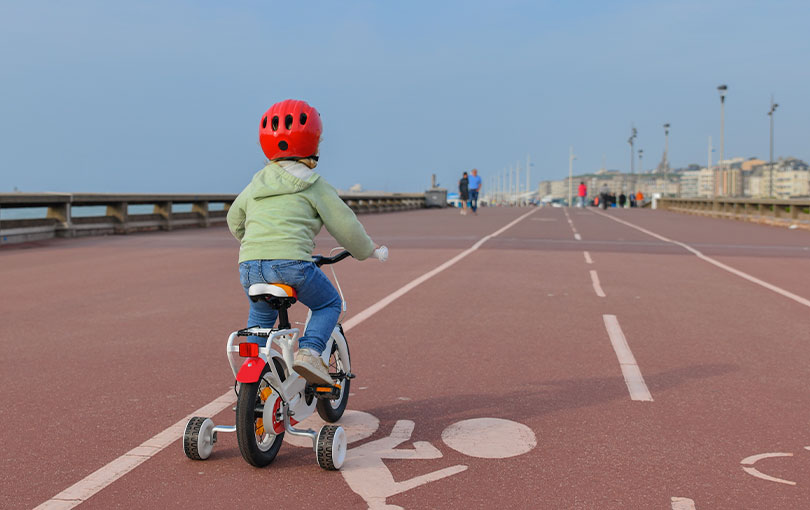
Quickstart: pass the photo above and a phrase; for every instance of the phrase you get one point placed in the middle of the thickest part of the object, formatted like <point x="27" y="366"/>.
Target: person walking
<point x="622" y="199"/>
<point x="475" y="188"/>
<point x="463" y="192"/>
<point x="582" y="192"/>
<point x="604" y="196"/>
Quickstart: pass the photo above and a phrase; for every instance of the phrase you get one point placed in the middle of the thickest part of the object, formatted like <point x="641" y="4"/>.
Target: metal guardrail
<point x="60" y="219"/>
<point x="769" y="211"/>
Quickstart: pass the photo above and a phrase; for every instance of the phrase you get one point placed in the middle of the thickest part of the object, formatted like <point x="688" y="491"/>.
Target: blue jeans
<point x="314" y="290"/>
<point x="474" y="200"/>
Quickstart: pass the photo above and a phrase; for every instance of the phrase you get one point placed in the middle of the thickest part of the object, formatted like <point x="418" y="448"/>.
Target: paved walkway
<point x="576" y="359"/>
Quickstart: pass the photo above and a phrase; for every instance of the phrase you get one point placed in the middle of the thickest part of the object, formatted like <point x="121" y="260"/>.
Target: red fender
<point x="251" y="370"/>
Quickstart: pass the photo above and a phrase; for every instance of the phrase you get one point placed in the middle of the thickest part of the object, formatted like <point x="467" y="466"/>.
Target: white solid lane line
<point x="753" y="279"/>
<point x="588" y="259"/>
<point x="627" y="362"/>
<point x="596" y="286"/>
<point x="371" y="310"/>
<point x="104" y="476"/>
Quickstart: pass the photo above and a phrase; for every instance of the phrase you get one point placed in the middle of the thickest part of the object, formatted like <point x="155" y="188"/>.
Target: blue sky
<point x="166" y="96"/>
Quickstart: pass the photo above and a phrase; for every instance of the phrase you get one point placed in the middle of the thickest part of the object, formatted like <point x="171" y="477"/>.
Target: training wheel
<point x="199" y="438"/>
<point x="331" y="449"/>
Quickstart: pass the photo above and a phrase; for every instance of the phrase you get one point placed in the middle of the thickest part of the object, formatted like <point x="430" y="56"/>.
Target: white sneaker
<point x="309" y="365"/>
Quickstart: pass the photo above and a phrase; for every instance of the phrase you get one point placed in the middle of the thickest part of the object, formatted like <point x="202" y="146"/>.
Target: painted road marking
<point x="369" y="477"/>
<point x="753" y="459"/>
<point x="588" y="259"/>
<point x="753" y="279"/>
<point x="682" y="504"/>
<point x="104" y="476"/>
<point x="571" y="224"/>
<point x="596" y="286"/>
<point x="627" y="362"/>
<point x="489" y="438"/>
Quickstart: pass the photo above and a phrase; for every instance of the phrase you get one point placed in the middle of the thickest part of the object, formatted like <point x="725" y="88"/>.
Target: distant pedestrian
<point x="622" y="199"/>
<point x="582" y="192"/>
<point x="475" y="188"/>
<point x="604" y="196"/>
<point x="632" y="199"/>
<point x="463" y="192"/>
<point x="640" y="198"/>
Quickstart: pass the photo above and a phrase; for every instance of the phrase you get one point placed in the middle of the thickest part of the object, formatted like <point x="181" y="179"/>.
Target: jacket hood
<point x="273" y="180"/>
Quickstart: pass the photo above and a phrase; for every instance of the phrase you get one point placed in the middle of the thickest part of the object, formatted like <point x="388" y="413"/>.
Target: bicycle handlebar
<point x="380" y="254"/>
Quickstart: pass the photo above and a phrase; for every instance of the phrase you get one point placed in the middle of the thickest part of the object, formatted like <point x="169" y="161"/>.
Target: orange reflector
<point x="325" y="389"/>
<point x="265" y="394"/>
<point x="248" y="350"/>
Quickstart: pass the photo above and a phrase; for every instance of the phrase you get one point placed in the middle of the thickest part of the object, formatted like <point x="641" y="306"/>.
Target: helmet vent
<point x="283" y="145"/>
<point x="264" y="122"/>
<point x="303" y="119"/>
<point x="274" y="123"/>
<point x="288" y="120"/>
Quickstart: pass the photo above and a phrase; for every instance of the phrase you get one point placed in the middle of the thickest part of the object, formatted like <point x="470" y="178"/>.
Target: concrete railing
<point x="769" y="211"/>
<point x="63" y="217"/>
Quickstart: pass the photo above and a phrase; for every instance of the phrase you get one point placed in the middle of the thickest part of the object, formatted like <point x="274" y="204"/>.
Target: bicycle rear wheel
<point x="259" y="442"/>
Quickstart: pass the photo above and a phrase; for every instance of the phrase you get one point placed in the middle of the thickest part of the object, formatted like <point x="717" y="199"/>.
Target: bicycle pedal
<point x="326" y="392"/>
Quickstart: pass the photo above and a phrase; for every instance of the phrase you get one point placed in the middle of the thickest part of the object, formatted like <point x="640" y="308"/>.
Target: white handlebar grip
<point x="381" y="253"/>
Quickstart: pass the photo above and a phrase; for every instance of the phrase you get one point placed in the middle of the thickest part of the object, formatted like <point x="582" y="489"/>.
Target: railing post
<point x="119" y="211"/>
<point x="61" y="213"/>
<point x="164" y="209"/>
<point x="201" y="208"/>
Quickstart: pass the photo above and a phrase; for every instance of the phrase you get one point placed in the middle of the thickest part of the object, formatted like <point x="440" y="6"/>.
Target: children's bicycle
<point x="271" y="397"/>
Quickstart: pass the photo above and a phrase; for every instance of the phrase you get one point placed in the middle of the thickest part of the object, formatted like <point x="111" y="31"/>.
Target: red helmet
<point x="290" y="129"/>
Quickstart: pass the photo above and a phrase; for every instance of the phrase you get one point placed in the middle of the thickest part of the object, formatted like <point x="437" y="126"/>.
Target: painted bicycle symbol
<point x="368" y="476"/>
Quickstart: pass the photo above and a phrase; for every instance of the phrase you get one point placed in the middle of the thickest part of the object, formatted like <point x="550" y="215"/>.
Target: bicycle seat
<point x="277" y="294"/>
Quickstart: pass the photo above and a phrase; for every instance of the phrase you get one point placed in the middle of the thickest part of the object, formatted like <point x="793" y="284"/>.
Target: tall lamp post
<point x="666" y="148"/>
<point x="722" y="90"/>
<point x="640" y="165"/>
<point x="770" y="114"/>
<point x="631" y="140"/>
<point x="571" y="159"/>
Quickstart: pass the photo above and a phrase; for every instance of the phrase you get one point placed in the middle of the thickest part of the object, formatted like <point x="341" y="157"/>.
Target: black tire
<point x="253" y="452"/>
<point x="325" y="448"/>
<point x="332" y="410"/>
<point x="191" y="439"/>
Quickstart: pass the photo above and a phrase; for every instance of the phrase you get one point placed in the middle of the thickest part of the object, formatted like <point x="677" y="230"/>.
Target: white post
<point x="517" y="183"/>
<point x="570" y="175"/>
<point x="528" y="180"/>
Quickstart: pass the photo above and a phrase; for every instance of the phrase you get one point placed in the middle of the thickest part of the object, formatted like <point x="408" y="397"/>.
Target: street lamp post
<point x="770" y="165"/>
<point x="631" y="140"/>
<point x="571" y="159"/>
<point x="640" y="155"/>
<point x="722" y="90"/>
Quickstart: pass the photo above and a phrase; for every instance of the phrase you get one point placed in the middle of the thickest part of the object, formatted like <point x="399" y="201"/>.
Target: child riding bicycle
<point x="276" y="218"/>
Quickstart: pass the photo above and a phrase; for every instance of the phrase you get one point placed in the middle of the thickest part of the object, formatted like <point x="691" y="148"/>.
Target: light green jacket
<point x="278" y="215"/>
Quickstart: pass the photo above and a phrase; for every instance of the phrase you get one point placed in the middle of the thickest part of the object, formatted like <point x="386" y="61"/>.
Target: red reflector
<point x="248" y="350"/>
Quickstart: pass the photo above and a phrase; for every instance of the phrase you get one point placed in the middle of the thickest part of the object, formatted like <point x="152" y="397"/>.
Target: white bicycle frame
<point x="292" y="389"/>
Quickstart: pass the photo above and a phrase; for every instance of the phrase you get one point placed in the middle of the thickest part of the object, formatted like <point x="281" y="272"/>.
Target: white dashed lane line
<point x="627" y="362"/>
<point x="596" y="286"/>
